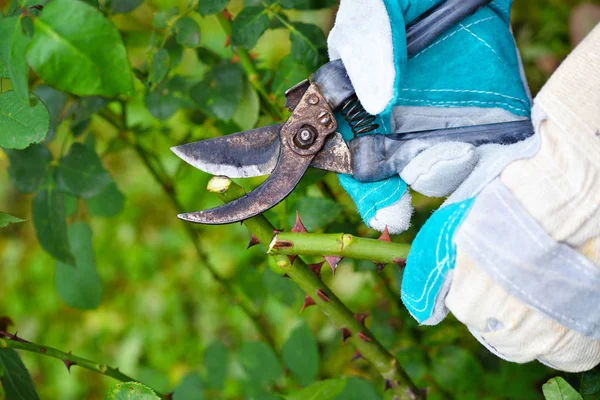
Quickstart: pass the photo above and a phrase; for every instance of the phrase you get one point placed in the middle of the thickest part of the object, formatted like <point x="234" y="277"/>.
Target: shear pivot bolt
<point x="324" y="118"/>
<point x="314" y="100"/>
<point x="305" y="137"/>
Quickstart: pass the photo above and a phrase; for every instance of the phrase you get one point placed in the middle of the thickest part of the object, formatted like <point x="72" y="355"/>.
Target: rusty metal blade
<point x="286" y="175"/>
<point x="239" y="155"/>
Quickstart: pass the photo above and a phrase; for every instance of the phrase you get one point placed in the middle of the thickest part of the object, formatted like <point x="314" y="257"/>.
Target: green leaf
<point x="322" y="390"/>
<point x="215" y="363"/>
<point x="190" y="388"/>
<point x="558" y="389"/>
<point x="248" y="26"/>
<point x="55" y="103"/>
<point x="29" y="168"/>
<point x="301" y="354"/>
<point x="259" y="362"/>
<point x="289" y="72"/>
<point x="107" y="203"/>
<point x="162" y="106"/>
<point x="188" y="32"/>
<point x="590" y="382"/>
<point x="124" y="6"/>
<point x="79" y="287"/>
<point x="358" y="389"/>
<point x="77" y="50"/>
<point x="220" y="92"/>
<point x="131" y="391"/>
<point x="308" y="45"/>
<point x="6" y="219"/>
<point x="13" y="42"/>
<point x="15" y="378"/>
<point x="93" y="3"/>
<point x="307" y="4"/>
<point x="208" y="7"/>
<point x="246" y="115"/>
<point x="81" y="173"/>
<point x="456" y="370"/>
<point x="159" y="66"/>
<point x="50" y="223"/>
<point x="161" y="18"/>
<point x="21" y="124"/>
<point x="316" y="212"/>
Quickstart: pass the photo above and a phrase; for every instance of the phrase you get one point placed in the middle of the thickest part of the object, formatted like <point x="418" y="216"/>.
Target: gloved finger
<point x="439" y="170"/>
<point x="381" y="204"/>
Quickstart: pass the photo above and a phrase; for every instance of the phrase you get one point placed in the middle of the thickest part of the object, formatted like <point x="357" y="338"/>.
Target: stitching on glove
<point x="469" y="102"/>
<point x="506" y="10"/>
<point x="452" y="34"/>
<point x="481" y="40"/>
<point x="525" y="102"/>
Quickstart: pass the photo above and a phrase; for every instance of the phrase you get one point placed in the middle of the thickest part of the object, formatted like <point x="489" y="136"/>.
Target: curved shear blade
<point x="287" y="173"/>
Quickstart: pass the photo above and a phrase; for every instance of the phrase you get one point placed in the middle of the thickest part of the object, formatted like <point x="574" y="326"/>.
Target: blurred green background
<point x="161" y="310"/>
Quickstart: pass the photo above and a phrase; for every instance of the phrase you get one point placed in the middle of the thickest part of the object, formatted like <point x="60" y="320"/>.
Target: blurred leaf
<point x="131" y="391"/>
<point x="248" y="26"/>
<point x="301" y="354"/>
<point x="85" y="107"/>
<point x="358" y="389"/>
<point x="215" y="363"/>
<point x="107" y="203"/>
<point x="190" y="388"/>
<point x="94" y="63"/>
<point x="124" y="6"/>
<point x="250" y="281"/>
<point x="162" y="17"/>
<point x="93" y="3"/>
<point x="323" y="390"/>
<point x="70" y="204"/>
<point x="48" y="209"/>
<point x="247" y="112"/>
<point x="163" y="106"/>
<point x="289" y="72"/>
<point x="315" y="212"/>
<point x="188" y="32"/>
<point x="456" y="370"/>
<point x="15" y="378"/>
<point x="259" y="362"/>
<point x="253" y="392"/>
<point x="55" y="103"/>
<point x="208" y="7"/>
<point x="81" y="172"/>
<point x="29" y="168"/>
<point x="207" y="56"/>
<point x="308" y="4"/>
<point x="280" y="288"/>
<point x="13" y="42"/>
<point x="6" y="219"/>
<point x="21" y="124"/>
<point x="220" y="92"/>
<point x="558" y="389"/>
<point x="308" y="45"/>
<point x="79" y="287"/>
<point x="159" y="66"/>
<point x="590" y="382"/>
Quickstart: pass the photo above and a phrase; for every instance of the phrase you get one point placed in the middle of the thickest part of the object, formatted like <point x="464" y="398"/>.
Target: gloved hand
<point x="514" y="253"/>
<point x="471" y="75"/>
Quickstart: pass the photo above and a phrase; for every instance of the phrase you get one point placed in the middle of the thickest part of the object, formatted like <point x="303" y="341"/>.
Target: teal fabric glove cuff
<point x="432" y="257"/>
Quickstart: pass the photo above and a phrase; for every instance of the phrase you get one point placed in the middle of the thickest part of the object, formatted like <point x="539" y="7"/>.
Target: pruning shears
<point x="309" y="138"/>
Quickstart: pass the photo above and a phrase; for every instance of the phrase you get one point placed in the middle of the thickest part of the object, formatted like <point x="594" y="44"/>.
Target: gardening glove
<point x="514" y="253"/>
<point x="470" y="75"/>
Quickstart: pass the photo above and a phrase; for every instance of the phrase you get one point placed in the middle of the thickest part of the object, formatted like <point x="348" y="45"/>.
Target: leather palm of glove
<point x="514" y="252"/>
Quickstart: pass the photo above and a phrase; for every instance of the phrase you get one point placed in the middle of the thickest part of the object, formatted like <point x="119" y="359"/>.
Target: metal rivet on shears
<point x="305" y="137"/>
<point x="324" y="118"/>
<point x="314" y="100"/>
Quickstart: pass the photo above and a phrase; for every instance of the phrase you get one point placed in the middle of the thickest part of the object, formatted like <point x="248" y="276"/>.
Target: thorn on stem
<point x="227" y="15"/>
<point x="385" y="236"/>
<point x="316" y="268"/>
<point x="388" y="385"/>
<point x="68" y="364"/>
<point x="380" y="267"/>
<point x="345" y="333"/>
<point x="298" y="225"/>
<point x="308" y="301"/>
<point x="323" y="296"/>
<point x="333" y="262"/>
<point x="364" y="337"/>
<point x="292" y="259"/>
<point x="400" y="262"/>
<point x="361" y="318"/>
<point x="357" y="356"/>
<point x="285" y="276"/>
<point x="228" y="41"/>
<point x="253" y="241"/>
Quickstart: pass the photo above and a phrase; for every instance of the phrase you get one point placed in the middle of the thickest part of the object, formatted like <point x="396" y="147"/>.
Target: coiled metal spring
<point x="359" y="120"/>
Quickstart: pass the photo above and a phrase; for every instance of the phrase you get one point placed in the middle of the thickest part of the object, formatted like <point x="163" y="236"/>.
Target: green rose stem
<point x="338" y="244"/>
<point x="8" y="341"/>
<point x="351" y="326"/>
<point x="157" y="171"/>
